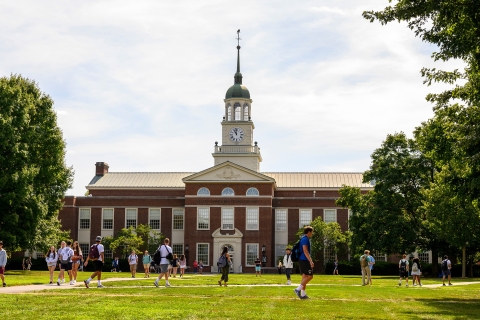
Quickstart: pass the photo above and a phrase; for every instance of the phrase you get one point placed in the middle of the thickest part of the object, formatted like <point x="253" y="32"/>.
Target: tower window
<point x="229" y="113"/>
<point x="245" y="112"/>
<point x="238" y="111"/>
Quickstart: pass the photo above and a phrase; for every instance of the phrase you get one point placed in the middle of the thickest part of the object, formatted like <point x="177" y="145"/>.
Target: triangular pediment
<point x="228" y="171"/>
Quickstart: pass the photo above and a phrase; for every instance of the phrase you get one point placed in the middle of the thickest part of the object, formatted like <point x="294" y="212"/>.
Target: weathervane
<point x="238" y="39"/>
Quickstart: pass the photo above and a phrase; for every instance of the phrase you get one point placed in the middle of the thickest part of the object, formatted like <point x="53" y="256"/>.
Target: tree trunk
<point x="464" y="260"/>
<point x="434" y="262"/>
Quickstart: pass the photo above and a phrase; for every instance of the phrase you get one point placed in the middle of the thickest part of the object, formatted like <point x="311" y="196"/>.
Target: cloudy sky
<point x="140" y="84"/>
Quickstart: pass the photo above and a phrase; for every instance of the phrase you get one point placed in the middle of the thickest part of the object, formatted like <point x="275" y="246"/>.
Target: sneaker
<point x="450" y="284"/>
<point x="100" y="286"/>
<point x="58" y="282"/>
<point x="420" y="284"/>
<point x="63" y="280"/>
<point x="167" y="285"/>
<point x="86" y="283"/>
<point x="406" y="285"/>
<point x="51" y="282"/>
<point x="305" y="297"/>
<point x="297" y="292"/>
<point x="74" y="281"/>
<point x="444" y="284"/>
<point x="415" y="285"/>
<point x="399" y="284"/>
<point x="156" y="284"/>
<point x="4" y="284"/>
<point x="289" y="282"/>
<point x="220" y="283"/>
<point x="71" y="283"/>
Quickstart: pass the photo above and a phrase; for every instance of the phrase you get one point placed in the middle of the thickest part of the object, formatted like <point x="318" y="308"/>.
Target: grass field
<point x="246" y="297"/>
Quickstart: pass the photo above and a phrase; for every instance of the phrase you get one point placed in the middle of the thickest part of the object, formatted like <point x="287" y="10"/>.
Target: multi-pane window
<point x="329" y="254"/>
<point x="85" y="247"/>
<point x="202" y="253"/>
<point x="84" y="219"/>
<point x="228" y="192"/>
<point x="177" y="249"/>
<point x="380" y="256"/>
<point x="177" y="219"/>
<point x="203" y="218"/>
<point x="281" y="219"/>
<point x="203" y="192"/>
<point x="252" y="253"/>
<point x="131" y="218"/>
<point x="424" y="257"/>
<point x="154" y="219"/>
<point x="330" y="215"/>
<point x="280" y="251"/>
<point x="40" y="255"/>
<point x="108" y="254"/>
<point x="107" y="219"/>
<point x="238" y="111"/>
<point x="253" y="192"/>
<point x="229" y="113"/>
<point x="305" y="217"/>
<point x="227" y="218"/>
<point x="245" y="112"/>
<point x="252" y="219"/>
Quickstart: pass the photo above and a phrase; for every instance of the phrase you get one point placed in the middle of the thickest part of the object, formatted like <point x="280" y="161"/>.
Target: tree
<point x="139" y="238"/>
<point x="33" y="173"/>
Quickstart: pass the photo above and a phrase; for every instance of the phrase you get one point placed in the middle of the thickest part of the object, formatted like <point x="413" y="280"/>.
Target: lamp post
<point x="264" y="257"/>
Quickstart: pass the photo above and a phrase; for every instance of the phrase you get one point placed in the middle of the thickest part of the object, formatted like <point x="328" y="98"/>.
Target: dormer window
<point x="253" y="192"/>
<point x="228" y="192"/>
<point x="203" y="192"/>
<point x="238" y="111"/>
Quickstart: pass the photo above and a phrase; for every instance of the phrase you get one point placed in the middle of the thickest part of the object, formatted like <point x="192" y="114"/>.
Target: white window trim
<point x="160" y="224"/>
<point x="136" y="216"/>
<point x="286" y="227"/>
<point x="173" y="220"/>
<point x="246" y="218"/>
<point x="301" y="225"/>
<point x="208" y="253"/>
<point x="113" y="218"/>
<point x="198" y="209"/>
<point x="233" y="218"/>
<point x="325" y="213"/>
<point x="246" y="253"/>
<point x="89" y="218"/>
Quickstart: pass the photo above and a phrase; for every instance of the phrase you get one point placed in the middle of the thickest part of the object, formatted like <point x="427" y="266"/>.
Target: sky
<point x="140" y="84"/>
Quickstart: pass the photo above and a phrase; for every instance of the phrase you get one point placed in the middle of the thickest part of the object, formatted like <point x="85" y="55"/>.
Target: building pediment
<point x="228" y="171"/>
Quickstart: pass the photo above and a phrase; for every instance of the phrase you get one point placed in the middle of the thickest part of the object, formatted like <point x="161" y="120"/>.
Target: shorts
<point x="403" y="274"/>
<point x="305" y="267"/>
<point x="164" y="267"/>
<point x="133" y="267"/>
<point x="66" y="266"/>
<point x="97" y="265"/>
<point x="2" y="270"/>
<point x="258" y="268"/>
<point x="51" y="264"/>
<point x="446" y="272"/>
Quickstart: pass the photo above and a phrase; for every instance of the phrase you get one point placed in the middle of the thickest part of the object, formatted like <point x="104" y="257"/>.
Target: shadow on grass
<point x="448" y="307"/>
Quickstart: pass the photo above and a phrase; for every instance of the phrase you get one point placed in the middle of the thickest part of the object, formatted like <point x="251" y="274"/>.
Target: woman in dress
<point x="416" y="271"/>
<point x="183" y="265"/>
<point x="51" y="258"/>
<point x="76" y="259"/>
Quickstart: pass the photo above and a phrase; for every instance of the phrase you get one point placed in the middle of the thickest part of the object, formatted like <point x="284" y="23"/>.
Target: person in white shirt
<point x="132" y="261"/>
<point x="288" y="264"/>
<point x="98" y="260"/>
<point x="61" y="277"/>
<point x="51" y="257"/>
<point x="66" y="260"/>
<point x="3" y="263"/>
<point x="164" y="262"/>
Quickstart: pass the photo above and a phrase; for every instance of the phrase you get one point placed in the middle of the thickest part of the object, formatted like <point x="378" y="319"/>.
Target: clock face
<point x="236" y="134"/>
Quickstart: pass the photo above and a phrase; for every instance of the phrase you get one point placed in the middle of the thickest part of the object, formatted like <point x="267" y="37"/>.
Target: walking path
<point x="40" y="287"/>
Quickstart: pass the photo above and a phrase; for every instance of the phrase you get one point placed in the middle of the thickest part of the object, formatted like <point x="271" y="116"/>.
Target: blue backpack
<point x="222" y="261"/>
<point x="296" y="252"/>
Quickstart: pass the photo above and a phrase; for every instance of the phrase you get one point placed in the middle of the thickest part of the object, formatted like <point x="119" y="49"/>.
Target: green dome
<point x="237" y="91"/>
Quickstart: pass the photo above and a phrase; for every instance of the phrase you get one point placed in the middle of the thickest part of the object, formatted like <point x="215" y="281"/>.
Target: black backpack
<point x="444" y="265"/>
<point x="403" y="265"/>
<point x="296" y="252"/>
<point x="157" y="257"/>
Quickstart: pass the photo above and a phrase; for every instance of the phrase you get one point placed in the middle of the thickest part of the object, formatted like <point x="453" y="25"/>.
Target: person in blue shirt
<point x="366" y="259"/>
<point x="305" y="263"/>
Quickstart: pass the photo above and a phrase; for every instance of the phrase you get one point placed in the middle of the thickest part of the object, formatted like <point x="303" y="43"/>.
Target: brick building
<point x="233" y="203"/>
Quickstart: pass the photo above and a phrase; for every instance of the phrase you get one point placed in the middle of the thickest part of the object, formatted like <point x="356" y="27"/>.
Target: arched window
<point x="245" y="112"/>
<point x="238" y="111"/>
<point x="228" y="192"/>
<point x="253" y="192"/>
<point x="203" y="192"/>
<point x="229" y="113"/>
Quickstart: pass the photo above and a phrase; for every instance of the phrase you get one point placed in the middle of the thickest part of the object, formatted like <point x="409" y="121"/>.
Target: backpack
<point x="415" y="267"/>
<point x="296" y="252"/>
<point x="65" y="261"/>
<point x="222" y="261"/>
<point x="363" y="261"/>
<point x="444" y="265"/>
<point x="93" y="254"/>
<point x="403" y="265"/>
<point x="157" y="257"/>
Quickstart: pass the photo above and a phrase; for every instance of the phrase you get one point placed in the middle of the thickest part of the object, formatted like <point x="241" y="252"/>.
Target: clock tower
<point x="237" y="126"/>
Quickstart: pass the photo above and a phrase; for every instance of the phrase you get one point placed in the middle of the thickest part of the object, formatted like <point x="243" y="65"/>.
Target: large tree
<point x="33" y="173"/>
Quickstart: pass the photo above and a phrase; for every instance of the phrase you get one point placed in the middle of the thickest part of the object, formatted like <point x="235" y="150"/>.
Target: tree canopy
<point x="33" y="173"/>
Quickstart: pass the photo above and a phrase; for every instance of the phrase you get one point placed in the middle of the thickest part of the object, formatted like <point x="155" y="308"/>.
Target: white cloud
<point x="328" y="10"/>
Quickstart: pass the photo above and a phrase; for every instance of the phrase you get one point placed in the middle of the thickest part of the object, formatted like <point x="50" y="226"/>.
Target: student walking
<point x="175" y="264"/>
<point x="335" y="268"/>
<point x="224" y="265"/>
<point x="305" y="263"/>
<point x="183" y="265"/>
<point x="288" y="264"/>
<point x="165" y="253"/>
<point x="195" y="266"/>
<point x="3" y="263"/>
<point x="200" y="267"/>
<point x="416" y="271"/>
<point x="446" y="266"/>
<point x="146" y="260"/>
<point x="132" y="262"/>
<point x="370" y="265"/>
<point x="258" y="267"/>
<point x="76" y="260"/>
<point x="66" y="262"/>
<point x="97" y="255"/>
<point x="61" y="277"/>
<point x="403" y="269"/>
<point x="51" y="258"/>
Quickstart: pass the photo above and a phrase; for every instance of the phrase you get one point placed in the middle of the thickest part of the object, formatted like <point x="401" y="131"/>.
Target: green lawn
<point x="247" y="297"/>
